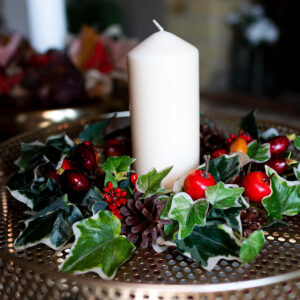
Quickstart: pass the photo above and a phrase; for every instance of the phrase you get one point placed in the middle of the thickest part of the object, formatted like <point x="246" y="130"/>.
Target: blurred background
<point x="62" y="60"/>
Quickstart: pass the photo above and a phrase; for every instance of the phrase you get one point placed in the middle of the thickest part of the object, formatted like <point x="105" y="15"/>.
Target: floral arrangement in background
<point x="85" y="71"/>
<point x="252" y="24"/>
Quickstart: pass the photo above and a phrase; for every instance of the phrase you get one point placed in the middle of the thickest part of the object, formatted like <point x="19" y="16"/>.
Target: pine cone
<point x="141" y="221"/>
<point x="211" y="139"/>
<point x="252" y="220"/>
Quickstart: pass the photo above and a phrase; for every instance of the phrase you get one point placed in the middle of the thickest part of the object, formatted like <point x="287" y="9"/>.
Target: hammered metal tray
<point x="32" y="273"/>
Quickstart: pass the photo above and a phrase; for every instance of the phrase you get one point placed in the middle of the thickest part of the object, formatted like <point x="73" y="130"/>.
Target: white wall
<point x="14" y="15"/>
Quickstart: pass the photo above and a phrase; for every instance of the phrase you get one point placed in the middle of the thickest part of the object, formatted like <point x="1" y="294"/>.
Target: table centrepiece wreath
<point x="83" y="193"/>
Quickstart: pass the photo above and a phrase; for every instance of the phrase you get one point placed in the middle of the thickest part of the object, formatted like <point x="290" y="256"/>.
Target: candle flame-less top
<point x="162" y="45"/>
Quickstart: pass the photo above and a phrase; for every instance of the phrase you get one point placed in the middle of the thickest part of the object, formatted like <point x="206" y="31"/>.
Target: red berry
<point x="112" y="206"/>
<point x="218" y="153"/>
<point x="106" y="189"/>
<point x="113" y="147"/>
<point x="76" y="181"/>
<point x="278" y="164"/>
<point x="133" y="178"/>
<point x="122" y="201"/>
<point x="110" y="185"/>
<point x="196" y="183"/>
<point x="123" y="194"/>
<point x="88" y="143"/>
<point x="86" y="157"/>
<point x="279" y="145"/>
<point x="117" y="190"/>
<point x="257" y="186"/>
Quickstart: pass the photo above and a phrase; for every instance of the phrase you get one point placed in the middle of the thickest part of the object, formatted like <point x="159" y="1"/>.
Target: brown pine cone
<point x="141" y="221"/>
<point x="211" y="139"/>
<point x="252" y="220"/>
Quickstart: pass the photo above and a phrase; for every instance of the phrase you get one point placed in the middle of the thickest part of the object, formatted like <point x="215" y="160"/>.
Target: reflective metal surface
<point x="32" y="273"/>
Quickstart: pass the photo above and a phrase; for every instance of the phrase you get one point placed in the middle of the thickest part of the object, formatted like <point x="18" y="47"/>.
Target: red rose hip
<point x="257" y="186"/>
<point x="76" y="181"/>
<point x="196" y="182"/>
<point x="278" y="164"/>
<point x="279" y="145"/>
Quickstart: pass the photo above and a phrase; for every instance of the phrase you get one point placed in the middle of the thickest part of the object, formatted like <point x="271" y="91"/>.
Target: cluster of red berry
<point x="115" y="198"/>
<point x="242" y="135"/>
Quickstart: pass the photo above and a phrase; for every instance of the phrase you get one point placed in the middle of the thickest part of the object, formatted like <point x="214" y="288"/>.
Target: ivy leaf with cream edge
<point x="284" y="198"/>
<point x="98" y="246"/>
<point x="208" y="245"/>
<point x="51" y="226"/>
<point x="188" y="213"/>
<point x="259" y="153"/>
<point x="223" y="196"/>
<point x="150" y="183"/>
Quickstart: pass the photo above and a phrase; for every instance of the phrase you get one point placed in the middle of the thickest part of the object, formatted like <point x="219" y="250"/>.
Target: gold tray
<point x="32" y="273"/>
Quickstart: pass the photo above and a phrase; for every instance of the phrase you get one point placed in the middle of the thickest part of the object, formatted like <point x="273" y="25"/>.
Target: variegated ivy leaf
<point x="224" y="168"/>
<point x="188" y="213"/>
<point x="98" y="246"/>
<point x="94" y="200"/>
<point x="297" y="172"/>
<point x="297" y="142"/>
<point x="208" y="245"/>
<point x="29" y="152"/>
<point x="37" y="197"/>
<point x="94" y="132"/>
<point x="51" y="226"/>
<point x="284" y="198"/>
<point x="150" y="183"/>
<point x="230" y="216"/>
<point x="252" y="246"/>
<point x="268" y="134"/>
<point x="259" y="153"/>
<point x="223" y="196"/>
<point x="57" y="147"/>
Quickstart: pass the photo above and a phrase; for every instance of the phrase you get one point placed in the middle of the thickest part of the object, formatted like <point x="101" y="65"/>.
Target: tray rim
<point x="180" y="288"/>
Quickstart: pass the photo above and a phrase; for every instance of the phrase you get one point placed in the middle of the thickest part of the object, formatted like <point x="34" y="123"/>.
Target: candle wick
<point x="157" y="25"/>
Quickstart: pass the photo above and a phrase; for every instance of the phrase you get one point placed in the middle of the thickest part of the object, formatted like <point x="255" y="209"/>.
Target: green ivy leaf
<point x="93" y="199"/>
<point x="249" y="125"/>
<point x="297" y="172"/>
<point x="43" y="193"/>
<point x="29" y="152"/>
<point x="118" y="164"/>
<point x="98" y="246"/>
<point x="110" y="178"/>
<point x="222" y="196"/>
<point x="94" y="132"/>
<point x="259" y="153"/>
<point x="51" y="226"/>
<point x="207" y="245"/>
<point x="230" y="216"/>
<point x="297" y="142"/>
<point x="252" y="246"/>
<point x="57" y="147"/>
<point x="224" y="168"/>
<point x="284" y="198"/>
<point x="188" y="213"/>
<point x="150" y="183"/>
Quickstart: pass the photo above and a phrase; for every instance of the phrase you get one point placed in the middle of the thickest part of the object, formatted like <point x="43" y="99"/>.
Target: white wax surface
<point x="164" y="105"/>
<point x="47" y="24"/>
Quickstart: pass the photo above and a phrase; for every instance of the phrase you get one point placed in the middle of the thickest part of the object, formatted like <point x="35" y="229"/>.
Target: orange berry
<point x="239" y="145"/>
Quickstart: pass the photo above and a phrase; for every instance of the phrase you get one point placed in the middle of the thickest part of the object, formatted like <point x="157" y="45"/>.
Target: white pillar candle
<point x="164" y="105"/>
<point x="47" y="24"/>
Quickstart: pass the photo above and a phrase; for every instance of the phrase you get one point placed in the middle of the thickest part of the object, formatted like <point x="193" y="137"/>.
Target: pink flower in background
<point x="7" y="51"/>
<point x="117" y="50"/>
